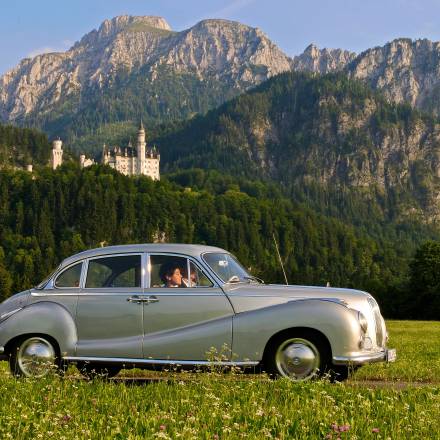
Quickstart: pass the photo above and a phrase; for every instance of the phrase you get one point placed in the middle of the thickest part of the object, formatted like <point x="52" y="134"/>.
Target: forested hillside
<point x="21" y="146"/>
<point x="49" y="215"/>
<point x="329" y="141"/>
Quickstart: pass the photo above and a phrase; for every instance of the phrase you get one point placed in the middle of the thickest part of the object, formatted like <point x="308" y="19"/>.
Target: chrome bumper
<point x="388" y="355"/>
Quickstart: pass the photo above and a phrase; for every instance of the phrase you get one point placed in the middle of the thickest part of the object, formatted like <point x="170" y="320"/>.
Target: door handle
<point x="143" y="299"/>
<point x="136" y="299"/>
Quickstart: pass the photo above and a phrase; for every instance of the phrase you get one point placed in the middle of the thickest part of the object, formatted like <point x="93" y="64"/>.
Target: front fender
<point x="46" y="318"/>
<point x="253" y="329"/>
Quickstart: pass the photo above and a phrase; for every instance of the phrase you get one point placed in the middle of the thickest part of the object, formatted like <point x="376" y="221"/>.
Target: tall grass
<point x="234" y="406"/>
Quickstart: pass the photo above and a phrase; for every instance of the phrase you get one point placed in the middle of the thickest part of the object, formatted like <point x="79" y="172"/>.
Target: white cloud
<point x="65" y="44"/>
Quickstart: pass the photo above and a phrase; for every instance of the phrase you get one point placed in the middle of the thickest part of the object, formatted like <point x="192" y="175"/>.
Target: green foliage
<point x="22" y="146"/>
<point x="50" y="215"/>
<point x="424" y="283"/>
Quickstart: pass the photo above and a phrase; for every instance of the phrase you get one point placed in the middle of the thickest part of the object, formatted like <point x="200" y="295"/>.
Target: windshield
<point x="226" y="267"/>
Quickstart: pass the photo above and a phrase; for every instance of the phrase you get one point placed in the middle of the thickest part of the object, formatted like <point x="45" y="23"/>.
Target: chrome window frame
<point x="51" y="284"/>
<point x="188" y="259"/>
<point x="85" y="289"/>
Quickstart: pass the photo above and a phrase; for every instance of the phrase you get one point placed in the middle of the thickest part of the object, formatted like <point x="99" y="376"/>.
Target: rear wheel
<point x="298" y="356"/>
<point x="34" y="356"/>
<point x="92" y="370"/>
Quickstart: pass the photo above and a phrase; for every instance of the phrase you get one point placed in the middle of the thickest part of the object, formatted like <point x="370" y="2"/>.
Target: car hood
<point x="252" y="296"/>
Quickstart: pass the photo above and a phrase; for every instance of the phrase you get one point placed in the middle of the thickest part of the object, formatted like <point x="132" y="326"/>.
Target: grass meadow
<point x="395" y="401"/>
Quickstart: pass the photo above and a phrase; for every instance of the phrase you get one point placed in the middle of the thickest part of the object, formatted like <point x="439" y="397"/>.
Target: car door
<point x="184" y="322"/>
<point x="109" y="313"/>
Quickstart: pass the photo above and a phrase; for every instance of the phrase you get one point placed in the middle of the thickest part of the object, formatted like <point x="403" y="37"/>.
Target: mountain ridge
<point x="237" y="53"/>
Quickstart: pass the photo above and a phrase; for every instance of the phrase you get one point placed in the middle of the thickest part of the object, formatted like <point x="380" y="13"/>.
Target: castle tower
<point x="104" y="158"/>
<point x="141" y="146"/>
<point x="57" y="153"/>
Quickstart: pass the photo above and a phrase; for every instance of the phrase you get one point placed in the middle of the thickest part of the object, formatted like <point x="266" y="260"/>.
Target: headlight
<point x="363" y="322"/>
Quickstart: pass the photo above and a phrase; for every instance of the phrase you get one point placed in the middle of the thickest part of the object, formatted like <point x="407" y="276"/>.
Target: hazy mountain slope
<point x="328" y="132"/>
<point x="404" y="70"/>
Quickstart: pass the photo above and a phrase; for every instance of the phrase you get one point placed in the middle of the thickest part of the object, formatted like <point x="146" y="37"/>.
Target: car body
<point x="115" y="306"/>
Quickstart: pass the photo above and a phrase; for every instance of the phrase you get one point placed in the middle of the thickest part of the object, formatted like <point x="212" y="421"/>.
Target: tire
<point x="298" y="356"/>
<point x="34" y="356"/>
<point x="94" y="371"/>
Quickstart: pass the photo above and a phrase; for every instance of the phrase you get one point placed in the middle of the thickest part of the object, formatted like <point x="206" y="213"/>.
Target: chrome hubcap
<point x="36" y="357"/>
<point x="297" y="359"/>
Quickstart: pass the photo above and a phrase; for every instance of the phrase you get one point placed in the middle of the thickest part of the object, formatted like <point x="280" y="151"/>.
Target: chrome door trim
<point x="54" y="293"/>
<point x="157" y="291"/>
<point x="158" y="361"/>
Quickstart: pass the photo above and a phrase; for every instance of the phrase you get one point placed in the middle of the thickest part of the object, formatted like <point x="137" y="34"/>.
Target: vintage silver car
<point x="152" y="305"/>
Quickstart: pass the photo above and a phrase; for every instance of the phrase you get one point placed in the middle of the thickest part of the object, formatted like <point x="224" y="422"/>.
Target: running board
<point x="159" y="361"/>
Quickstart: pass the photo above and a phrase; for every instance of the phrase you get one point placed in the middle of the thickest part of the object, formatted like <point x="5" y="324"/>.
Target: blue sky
<point x="28" y="27"/>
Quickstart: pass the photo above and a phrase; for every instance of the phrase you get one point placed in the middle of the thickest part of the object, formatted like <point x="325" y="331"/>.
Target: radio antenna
<point x="279" y="257"/>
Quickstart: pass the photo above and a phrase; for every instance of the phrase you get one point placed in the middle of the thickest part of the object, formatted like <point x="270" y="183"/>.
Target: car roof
<point x="193" y="250"/>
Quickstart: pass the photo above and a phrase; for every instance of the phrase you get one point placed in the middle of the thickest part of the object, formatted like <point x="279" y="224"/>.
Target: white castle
<point x="129" y="161"/>
<point x="134" y="161"/>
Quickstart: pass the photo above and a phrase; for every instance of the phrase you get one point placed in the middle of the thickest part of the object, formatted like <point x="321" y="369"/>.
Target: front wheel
<point x="34" y="356"/>
<point x="298" y="357"/>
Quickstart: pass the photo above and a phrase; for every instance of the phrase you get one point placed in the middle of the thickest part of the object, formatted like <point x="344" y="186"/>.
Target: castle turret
<point x="57" y="153"/>
<point x="141" y="146"/>
<point x="104" y="158"/>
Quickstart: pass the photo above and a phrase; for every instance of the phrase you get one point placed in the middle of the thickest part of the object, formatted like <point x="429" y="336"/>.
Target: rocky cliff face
<point x="404" y="70"/>
<point x="231" y="52"/>
<point x="330" y="133"/>
<point x="322" y="61"/>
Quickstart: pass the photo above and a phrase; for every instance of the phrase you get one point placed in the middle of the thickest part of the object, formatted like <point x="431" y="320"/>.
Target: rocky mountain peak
<point x="122" y="22"/>
<point x="112" y="27"/>
<point x="314" y="59"/>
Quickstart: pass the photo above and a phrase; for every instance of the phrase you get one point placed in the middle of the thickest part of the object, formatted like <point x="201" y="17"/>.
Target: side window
<point x="198" y="278"/>
<point x="71" y="277"/>
<point x="121" y="271"/>
<point x="168" y="271"/>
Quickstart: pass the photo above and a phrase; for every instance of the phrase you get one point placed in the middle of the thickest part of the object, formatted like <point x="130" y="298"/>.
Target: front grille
<point x="379" y="328"/>
<point x="377" y="322"/>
